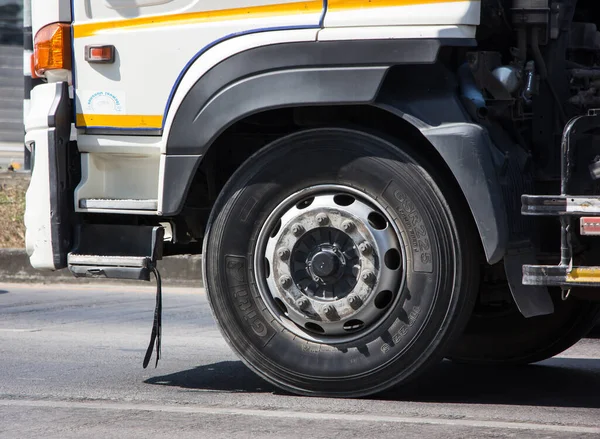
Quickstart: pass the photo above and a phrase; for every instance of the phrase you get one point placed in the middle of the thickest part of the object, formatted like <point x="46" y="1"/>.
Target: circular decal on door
<point x="103" y="102"/>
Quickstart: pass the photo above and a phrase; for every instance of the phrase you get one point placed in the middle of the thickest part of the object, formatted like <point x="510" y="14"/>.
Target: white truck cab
<point x="124" y="106"/>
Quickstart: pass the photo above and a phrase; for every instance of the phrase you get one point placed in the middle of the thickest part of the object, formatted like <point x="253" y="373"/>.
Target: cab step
<point x="561" y="276"/>
<point x="559" y="205"/>
<point x="116" y="251"/>
<point x="118" y="204"/>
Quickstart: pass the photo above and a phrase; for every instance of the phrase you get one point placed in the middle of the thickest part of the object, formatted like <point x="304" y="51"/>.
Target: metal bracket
<point x="116" y="251"/>
<point x="566" y="207"/>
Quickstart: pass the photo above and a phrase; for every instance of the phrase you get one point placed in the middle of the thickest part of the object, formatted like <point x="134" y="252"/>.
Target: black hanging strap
<point x="156" y="327"/>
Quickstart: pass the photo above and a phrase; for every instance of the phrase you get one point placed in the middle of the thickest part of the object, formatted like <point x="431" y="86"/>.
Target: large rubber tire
<point x="441" y="278"/>
<point x="509" y="339"/>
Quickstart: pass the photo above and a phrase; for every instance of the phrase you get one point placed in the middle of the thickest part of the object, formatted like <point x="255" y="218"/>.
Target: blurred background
<point x="14" y="177"/>
<point x="11" y="84"/>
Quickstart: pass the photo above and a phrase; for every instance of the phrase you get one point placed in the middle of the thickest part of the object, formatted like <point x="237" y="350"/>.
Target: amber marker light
<point x="52" y="48"/>
<point x="100" y="54"/>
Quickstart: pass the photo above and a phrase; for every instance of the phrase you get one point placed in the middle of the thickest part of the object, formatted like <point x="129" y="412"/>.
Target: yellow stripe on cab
<point x="342" y="5"/>
<point x="119" y="121"/>
<point x="90" y="29"/>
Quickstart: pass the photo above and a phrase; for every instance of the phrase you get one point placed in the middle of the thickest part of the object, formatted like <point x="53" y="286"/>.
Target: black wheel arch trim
<point x="191" y="136"/>
<point x="467" y="150"/>
<point x="183" y="140"/>
<point x="433" y="106"/>
<point x="59" y="127"/>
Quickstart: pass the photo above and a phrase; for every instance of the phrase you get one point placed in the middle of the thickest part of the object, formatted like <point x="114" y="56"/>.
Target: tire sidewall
<point x="414" y="332"/>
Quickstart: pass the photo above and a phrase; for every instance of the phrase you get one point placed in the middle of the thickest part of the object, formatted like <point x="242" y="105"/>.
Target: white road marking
<point x="11" y="148"/>
<point x="20" y="330"/>
<point x="287" y="414"/>
<point x="100" y="288"/>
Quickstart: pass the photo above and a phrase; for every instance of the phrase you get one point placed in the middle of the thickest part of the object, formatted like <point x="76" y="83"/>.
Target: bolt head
<point x="285" y="281"/>
<point x="297" y="229"/>
<point x="303" y="303"/>
<point x="283" y="253"/>
<point x="322" y="219"/>
<point x="355" y="301"/>
<point x="329" y="310"/>
<point x="347" y="226"/>
<point x="368" y="277"/>
<point x="365" y="248"/>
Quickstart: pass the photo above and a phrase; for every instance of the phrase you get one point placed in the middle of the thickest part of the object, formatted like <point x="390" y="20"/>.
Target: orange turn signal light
<point x="100" y="54"/>
<point x="52" y="48"/>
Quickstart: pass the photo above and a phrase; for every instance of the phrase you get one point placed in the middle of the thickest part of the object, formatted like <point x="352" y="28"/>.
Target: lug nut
<point x="285" y="281"/>
<point x="303" y="303"/>
<point x="283" y="254"/>
<point x="347" y="226"/>
<point x="368" y="277"/>
<point x="297" y="229"/>
<point x="365" y="248"/>
<point x="322" y="219"/>
<point x="329" y="311"/>
<point x="355" y="301"/>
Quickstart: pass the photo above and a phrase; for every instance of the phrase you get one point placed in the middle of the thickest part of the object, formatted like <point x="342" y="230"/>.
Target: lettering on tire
<point x="415" y="227"/>
<point x="237" y="284"/>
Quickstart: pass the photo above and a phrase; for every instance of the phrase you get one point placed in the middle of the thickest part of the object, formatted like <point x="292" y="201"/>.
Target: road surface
<point x="71" y="368"/>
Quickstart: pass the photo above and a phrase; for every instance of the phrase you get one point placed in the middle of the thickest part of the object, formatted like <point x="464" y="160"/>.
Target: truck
<point x="373" y="185"/>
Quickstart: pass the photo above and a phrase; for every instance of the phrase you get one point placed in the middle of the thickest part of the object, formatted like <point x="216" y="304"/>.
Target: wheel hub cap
<point x="324" y="264"/>
<point x="323" y="256"/>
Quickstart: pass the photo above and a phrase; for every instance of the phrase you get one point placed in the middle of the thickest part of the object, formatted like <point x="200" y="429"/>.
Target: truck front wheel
<point x="336" y="266"/>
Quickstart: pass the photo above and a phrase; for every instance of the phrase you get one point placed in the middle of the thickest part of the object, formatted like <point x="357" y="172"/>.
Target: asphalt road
<point x="70" y="367"/>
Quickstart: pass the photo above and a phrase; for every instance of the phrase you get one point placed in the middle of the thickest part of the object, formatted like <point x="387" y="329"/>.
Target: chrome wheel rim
<point x="329" y="263"/>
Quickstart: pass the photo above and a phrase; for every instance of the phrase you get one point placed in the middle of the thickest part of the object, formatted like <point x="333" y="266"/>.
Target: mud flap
<point x="532" y="300"/>
<point x="48" y="202"/>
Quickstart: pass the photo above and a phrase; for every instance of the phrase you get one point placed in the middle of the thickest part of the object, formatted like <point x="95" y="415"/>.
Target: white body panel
<point x="99" y="10"/>
<point x="38" y="239"/>
<point x="151" y="56"/>
<point x="38" y="236"/>
<point x="126" y="4"/>
<point x="131" y="145"/>
<point x="395" y="32"/>
<point x="49" y="11"/>
<point x="119" y="167"/>
<point x="368" y="13"/>
<point x="120" y="176"/>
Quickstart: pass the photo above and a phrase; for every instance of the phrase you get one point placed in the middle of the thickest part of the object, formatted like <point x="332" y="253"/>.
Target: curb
<point x="181" y="270"/>
<point x="14" y="179"/>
